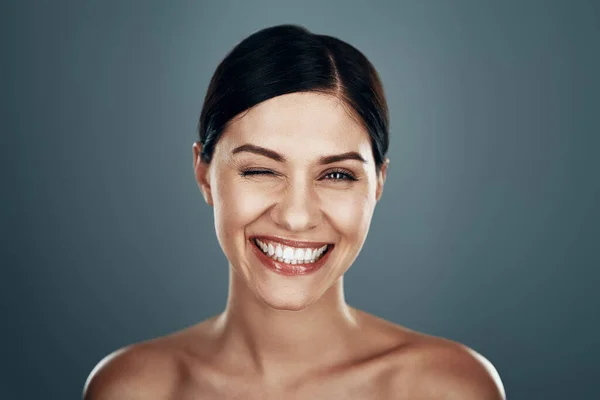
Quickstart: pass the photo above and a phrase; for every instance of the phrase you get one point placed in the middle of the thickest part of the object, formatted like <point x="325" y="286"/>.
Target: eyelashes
<point x="250" y="172"/>
<point x="332" y="175"/>
<point x="341" y="175"/>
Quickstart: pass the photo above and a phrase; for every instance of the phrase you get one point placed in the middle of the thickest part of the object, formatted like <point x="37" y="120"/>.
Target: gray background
<point x="487" y="232"/>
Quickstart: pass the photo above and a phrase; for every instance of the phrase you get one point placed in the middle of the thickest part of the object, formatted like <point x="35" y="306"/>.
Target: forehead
<point x="305" y="120"/>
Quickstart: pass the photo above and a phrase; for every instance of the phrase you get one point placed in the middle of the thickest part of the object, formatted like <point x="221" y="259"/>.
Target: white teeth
<point x="271" y="249"/>
<point x="321" y="250"/>
<point x="308" y="254"/>
<point x="290" y="255"/>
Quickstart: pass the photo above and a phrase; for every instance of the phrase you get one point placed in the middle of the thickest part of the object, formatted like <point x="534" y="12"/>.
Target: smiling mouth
<point x="289" y="254"/>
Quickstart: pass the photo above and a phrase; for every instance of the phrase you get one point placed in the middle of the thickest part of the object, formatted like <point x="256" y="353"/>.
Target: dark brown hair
<point x="289" y="58"/>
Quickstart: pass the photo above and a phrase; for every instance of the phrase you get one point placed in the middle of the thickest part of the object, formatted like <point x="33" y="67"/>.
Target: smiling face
<point x="275" y="176"/>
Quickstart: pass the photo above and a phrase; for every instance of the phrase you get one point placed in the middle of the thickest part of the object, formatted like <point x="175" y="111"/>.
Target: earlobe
<point x="201" y="173"/>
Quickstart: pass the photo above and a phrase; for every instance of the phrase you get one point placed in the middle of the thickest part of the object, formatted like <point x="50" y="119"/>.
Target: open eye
<point x="339" y="175"/>
<point x="335" y="175"/>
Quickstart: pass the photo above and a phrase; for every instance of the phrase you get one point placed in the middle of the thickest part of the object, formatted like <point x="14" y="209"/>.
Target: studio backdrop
<point x="487" y="231"/>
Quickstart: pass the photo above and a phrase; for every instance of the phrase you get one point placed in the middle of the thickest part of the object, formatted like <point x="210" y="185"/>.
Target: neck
<point x="267" y="339"/>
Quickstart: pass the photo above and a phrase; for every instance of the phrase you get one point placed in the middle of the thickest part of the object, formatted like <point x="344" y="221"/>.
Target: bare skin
<point x="383" y="361"/>
<point x="293" y="337"/>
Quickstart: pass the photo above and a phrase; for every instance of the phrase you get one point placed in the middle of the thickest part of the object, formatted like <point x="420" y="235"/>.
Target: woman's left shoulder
<point x="434" y="368"/>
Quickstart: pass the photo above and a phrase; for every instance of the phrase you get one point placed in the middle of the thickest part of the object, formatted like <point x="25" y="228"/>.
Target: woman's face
<point x="270" y="179"/>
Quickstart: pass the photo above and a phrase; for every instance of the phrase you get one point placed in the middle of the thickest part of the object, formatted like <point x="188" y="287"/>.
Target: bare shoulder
<point x="141" y="371"/>
<point x="416" y="365"/>
<point x="435" y="368"/>
<point x="159" y="368"/>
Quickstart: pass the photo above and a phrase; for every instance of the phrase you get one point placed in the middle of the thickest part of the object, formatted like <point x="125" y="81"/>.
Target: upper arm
<point x="129" y="374"/>
<point x="489" y="378"/>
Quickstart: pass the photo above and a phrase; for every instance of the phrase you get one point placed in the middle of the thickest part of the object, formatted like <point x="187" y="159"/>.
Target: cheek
<point x="236" y="204"/>
<point x="350" y="211"/>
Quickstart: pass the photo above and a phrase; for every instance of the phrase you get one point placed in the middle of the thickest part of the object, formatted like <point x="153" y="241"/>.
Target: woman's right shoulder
<point x="140" y="371"/>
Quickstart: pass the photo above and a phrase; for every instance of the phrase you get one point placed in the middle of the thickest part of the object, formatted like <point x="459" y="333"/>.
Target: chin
<point x="286" y="301"/>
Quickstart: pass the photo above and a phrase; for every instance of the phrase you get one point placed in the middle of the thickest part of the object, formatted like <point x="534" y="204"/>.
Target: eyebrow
<point x="263" y="151"/>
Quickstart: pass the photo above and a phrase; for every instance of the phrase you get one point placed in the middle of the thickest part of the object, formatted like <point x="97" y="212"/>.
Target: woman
<point x="291" y="155"/>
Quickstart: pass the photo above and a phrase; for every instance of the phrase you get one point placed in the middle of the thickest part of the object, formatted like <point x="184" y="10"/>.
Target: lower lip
<point x="289" y="269"/>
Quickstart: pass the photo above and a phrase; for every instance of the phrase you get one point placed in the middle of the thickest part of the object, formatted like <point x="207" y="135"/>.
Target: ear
<point x="381" y="179"/>
<point x="201" y="173"/>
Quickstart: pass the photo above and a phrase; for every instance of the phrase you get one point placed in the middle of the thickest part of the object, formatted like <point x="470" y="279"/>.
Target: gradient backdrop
<point x="487" y="232"/>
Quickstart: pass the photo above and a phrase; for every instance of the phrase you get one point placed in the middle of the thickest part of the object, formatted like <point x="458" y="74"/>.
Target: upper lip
<point x="290" y="242"/>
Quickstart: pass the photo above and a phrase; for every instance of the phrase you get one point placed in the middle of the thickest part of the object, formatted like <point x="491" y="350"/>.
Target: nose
<point x="297" y="208"/>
